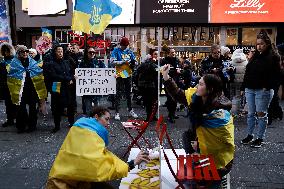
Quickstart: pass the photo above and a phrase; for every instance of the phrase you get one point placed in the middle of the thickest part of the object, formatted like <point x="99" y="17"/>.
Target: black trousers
<point x="23" y="118"/>
<point x="275" y="110"/>
<point x="58" y="103"/>
<point x="123" y="86"/>
<point x="10" y="109"/>
<point x="150" y="96"/>
<point x="171" y="106"/>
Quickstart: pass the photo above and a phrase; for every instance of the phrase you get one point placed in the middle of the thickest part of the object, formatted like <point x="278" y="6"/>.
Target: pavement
<point x="25" y="159"/>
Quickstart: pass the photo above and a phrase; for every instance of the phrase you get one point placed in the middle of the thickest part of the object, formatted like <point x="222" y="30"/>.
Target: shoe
<point x="8" y="123"/>
<point x="133" y="114"/>
<point x="117" y="117"/>
<point x="247" y="140"/>
<point x="55" y="129"/>
<point x="257" y="143"/>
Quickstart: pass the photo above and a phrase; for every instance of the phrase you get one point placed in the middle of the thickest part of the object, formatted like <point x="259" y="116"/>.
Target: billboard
<point x="4" y="22"/>
<point x="244" y="11"/>
<point x="174" y="11"/>
<point x="127" y="14"/>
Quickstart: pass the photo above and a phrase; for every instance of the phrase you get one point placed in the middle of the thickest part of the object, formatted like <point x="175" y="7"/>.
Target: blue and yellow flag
<point x="46" y="32"/>
<point x="94" y="15"/>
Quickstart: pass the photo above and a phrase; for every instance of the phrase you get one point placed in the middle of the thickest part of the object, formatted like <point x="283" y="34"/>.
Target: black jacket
<point x="175" y="63"/>
<point x="147" y="76"/>
<point x="58" y="71"/>
<point x="4" y="90"/>
<point x="209" y="63"/>
<point x="263" y="71"/>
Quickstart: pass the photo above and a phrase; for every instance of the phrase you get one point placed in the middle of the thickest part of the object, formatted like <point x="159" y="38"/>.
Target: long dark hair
<point x="86" y="59"/>
<point x="99" y="110"/>
<point x="198" y="107"/>
<point x="271" y="47"/>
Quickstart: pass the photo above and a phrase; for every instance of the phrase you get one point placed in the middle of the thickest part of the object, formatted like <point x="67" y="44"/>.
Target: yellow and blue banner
<point x="84" y="158"/>
<point x="215" y="134"/>
<point x="56" y="86"/>
<point x="46" y="32"/>
<point x="94" y="15"/>
<point x="16" y="79"/>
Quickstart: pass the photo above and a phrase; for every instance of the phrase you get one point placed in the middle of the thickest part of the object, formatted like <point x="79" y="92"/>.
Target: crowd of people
<point x="28" y="78"/>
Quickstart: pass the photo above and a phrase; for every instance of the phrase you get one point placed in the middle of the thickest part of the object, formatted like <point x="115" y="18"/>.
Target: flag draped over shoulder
<point x="83" y="156"/>
<point x="16" y="79"/>
<point x="216" y="134"/>
<point x="94" y="15"/>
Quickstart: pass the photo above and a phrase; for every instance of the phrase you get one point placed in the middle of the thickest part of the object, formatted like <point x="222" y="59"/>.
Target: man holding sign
<point x="124" y="61"/>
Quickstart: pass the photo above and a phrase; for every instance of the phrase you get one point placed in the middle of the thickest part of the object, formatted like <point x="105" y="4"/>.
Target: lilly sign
<point x="238" y="11"/>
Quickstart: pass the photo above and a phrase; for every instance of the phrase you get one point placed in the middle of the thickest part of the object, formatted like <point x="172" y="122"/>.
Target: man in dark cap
<point x="124" y="61"/>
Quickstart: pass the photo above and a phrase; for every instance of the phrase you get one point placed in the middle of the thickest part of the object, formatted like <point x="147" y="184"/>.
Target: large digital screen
<point x="127" y="14"/>
<point x="245" y="11"/>
<point x="174" y="11"/>
<point x="4" y="23"/>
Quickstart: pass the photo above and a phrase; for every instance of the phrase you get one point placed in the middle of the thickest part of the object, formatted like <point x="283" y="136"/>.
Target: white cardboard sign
<point x="95" y="81"/>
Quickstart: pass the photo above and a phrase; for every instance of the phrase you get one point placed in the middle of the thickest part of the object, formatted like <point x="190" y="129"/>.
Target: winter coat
<point x="59" y="71"/>
<point x="240" y="69"/>
<point x="147" y="75"/>
<point x="95" y="63"/>
<point x="262" y="71"/>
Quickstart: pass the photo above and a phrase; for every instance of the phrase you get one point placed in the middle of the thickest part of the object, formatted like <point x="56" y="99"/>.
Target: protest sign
<point x="95" y="81"/>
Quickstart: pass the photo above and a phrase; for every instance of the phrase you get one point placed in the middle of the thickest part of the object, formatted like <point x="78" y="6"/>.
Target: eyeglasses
<point x="92" y="52"/>
<point x="218" y="52"/>
<point x="26" y="51"/>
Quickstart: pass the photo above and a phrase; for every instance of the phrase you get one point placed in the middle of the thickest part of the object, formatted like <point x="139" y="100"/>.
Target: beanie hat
<point x="33" y="51"/>
<point x="124" y="41"/>
<point x="239" y="56"/>
<point x="224" y="50"/>
<point x="20" y="48"/>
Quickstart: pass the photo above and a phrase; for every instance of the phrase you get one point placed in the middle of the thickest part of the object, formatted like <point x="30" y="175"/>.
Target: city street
<point x="25" y="159"/>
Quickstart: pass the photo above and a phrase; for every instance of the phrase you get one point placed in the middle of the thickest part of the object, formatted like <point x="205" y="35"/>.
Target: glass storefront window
<point x="232" y="36"/>
<point x="250" y="34"/>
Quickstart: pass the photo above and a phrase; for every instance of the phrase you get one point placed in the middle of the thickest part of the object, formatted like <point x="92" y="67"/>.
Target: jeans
<point x="258" y="101"/>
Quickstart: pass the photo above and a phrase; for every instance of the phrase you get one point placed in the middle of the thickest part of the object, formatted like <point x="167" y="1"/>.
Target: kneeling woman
<point x="210" y="117"/>
<point x="83" y="160"/>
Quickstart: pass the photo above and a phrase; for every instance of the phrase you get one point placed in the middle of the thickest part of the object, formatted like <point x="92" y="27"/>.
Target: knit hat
<point x="124" y="41"/>
<point x="20" y="48"/>
<point x="224" y="50"/>
<point x="33" y="51"/>
<point x="239" y="56"/>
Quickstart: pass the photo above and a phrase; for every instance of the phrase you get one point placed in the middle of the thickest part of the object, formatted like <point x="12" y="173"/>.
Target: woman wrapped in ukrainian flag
<point x="210" y="116"/>
<point x="83" y="161"/>
<point x="26" y="85"/>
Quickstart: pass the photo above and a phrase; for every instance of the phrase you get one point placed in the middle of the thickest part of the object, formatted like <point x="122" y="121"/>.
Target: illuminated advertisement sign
<point x="174" y="11"/>
<point x="242" y="11"/>
<point x="4" y="23"/>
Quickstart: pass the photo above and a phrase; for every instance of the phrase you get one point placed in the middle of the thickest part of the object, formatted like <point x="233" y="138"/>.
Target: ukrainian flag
<point x="84" y="157"/>
<point x="94" y="15"/>
<point x="216" y="134"/>
<point x="46" y="32"/>
<point x="56" y="86"/>
<point x="16" y="79"/>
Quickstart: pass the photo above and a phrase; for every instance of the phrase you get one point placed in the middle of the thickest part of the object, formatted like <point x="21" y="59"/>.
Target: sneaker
<point x="247" y="140"/>
<point x="117" y="117"/>
<point x="257" y="143"/>
<point x="133" y="114"/>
